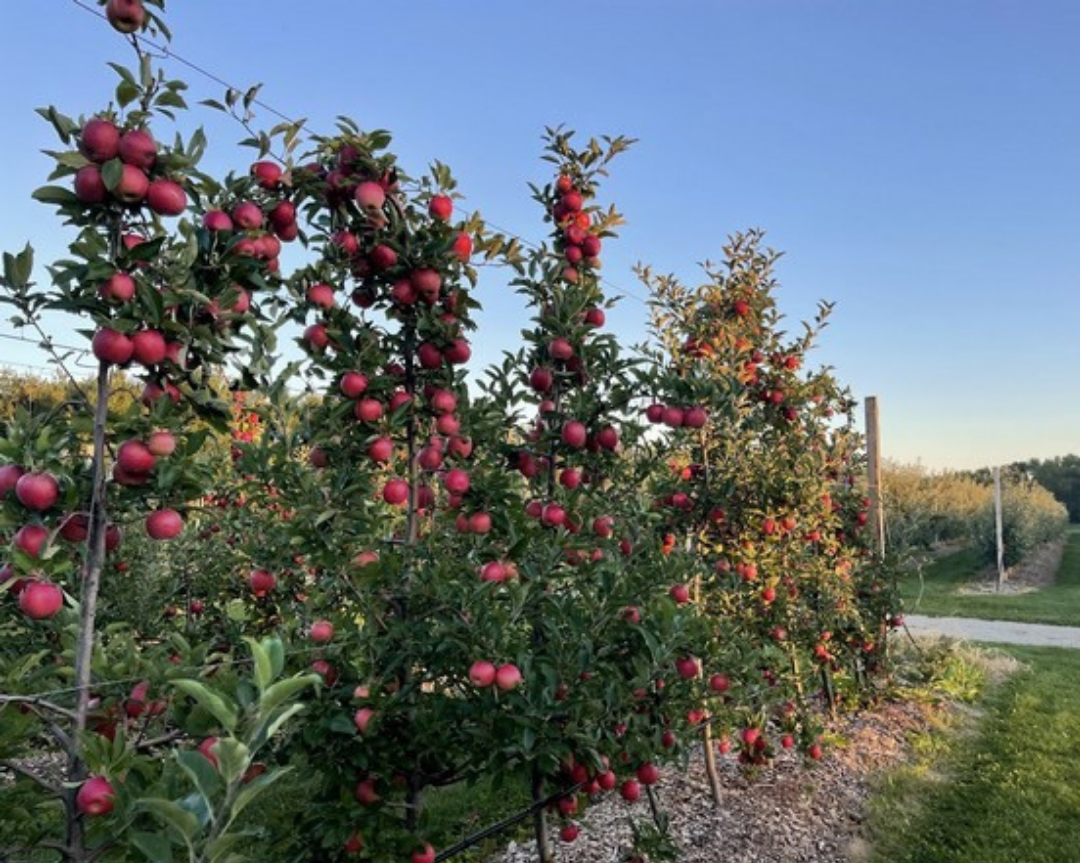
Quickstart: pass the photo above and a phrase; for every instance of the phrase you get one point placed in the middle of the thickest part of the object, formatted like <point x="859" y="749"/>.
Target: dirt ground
<point x="791" y="813"/>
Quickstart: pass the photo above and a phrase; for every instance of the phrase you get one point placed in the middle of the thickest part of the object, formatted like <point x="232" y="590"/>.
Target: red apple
<point x="89" y="187"/>
<point x="630" y="791"/>
<point x="37" y="491"/>
<point x="75" y="527"/>
<point x="680" y="593"/>
<point x="261" y="581"/>
<point x="283" y="217"/>
<point x="381" y="450"/>
<point x="719" y="683"/>
<point x="321" y="296"/>
<point x="482" y="673"/>
<point x="247" y="216"/>
<point x="607" y="438"/>
<point x="166" y="198"/>
<point x="494" y="571"/>
<point x="507" y="677"/>
<point x="99" y="140"/>
<point x="382" y="257"/>
<point x="119" y="287"/>
<point x="206" y="749"/>
<point x="425" y="854"/>
<point x="368" y="410"/>
<point x="322" y="631"/>
<point x="458" y="352"/>
<point x="396" y="492"/>
<point x="31" y="538"/>
<point x="574" y="434"/>
<point x="217" y="220"/>
<point x="161" y="443"/>
<point x="370" y="195"/>
<point x="443" y="402"/>
<point x="541" y="379"/>
<point x="480" y="523"/>
<point x="355" y="843"/>
<point x="463" y="246"/>
<point x="40" y="600"/>
<point x="267" y="174"/>
<point x="687" y="667"/>
<point x="553" y="515"/>
<point x="673" y="417"/>
<point x="648" y="773"/>
<point x="560" y="349"/>
<point x="135" y="457"/>
<point x="353" y="384"/>
<point x="456" y="481"/>
<point x="164" y="524"/>
<point x="441" y="208"/>
<point x="429" y="355"/>
<point x="9" y="476"/>
<point x="362" y="719"/>
<point x="367" y="793"/>
<point x="126" y="16"/>
<point x="695" y="418"/>
<point x="96" y="795"/>
<point x="316" y="337"/>
<point x="111" y="346"/>
<point x="148" y="348"/>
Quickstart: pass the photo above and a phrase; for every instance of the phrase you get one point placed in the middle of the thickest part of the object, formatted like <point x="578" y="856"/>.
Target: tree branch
<point x="26" y="773"/>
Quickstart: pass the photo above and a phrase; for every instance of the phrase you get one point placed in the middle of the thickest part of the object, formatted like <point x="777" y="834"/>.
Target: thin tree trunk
<point x="93" y="566"/>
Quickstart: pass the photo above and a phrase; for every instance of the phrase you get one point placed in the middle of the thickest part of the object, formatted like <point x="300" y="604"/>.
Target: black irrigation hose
<point x="500" y="826"/>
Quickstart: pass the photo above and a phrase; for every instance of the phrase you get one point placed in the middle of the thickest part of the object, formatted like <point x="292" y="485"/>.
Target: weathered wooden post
<point x="999" y="526"/>
<point x="873" y="457"/>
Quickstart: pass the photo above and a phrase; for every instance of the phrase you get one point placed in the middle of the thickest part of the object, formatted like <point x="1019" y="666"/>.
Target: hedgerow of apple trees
<point x="518" y="580"/>
<point x="162" y="291"/>
<point x="759" y="491"/>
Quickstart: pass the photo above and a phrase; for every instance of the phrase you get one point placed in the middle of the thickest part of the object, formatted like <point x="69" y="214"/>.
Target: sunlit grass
<point x="1002" y="787"/>
<point x="937" y="593"/>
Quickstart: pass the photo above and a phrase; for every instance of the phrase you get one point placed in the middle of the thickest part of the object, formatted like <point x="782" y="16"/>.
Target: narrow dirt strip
<point x="1000" y="631"/>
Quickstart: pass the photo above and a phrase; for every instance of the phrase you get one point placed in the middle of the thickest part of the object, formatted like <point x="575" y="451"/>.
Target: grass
<point x="998" y="789"/>
<point x="1057" y="603"/>
<point x="457" y="811"/>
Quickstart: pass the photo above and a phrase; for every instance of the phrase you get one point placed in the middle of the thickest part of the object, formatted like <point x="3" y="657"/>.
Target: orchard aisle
<point x="999" y="631"/>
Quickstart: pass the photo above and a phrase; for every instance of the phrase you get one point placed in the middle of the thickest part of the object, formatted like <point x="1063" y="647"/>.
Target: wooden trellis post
<point x="873" y="457"/>
<point x="1000" y="529"/>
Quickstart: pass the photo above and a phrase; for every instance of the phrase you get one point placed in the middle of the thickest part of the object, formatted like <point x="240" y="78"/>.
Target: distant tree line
<point x="1061" y="477"/>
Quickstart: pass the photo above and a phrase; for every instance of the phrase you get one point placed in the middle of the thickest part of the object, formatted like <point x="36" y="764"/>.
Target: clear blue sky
<point x="918" y="162"/>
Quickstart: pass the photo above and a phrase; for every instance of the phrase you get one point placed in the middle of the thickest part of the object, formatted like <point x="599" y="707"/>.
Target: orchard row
<point x="569" y="571"/>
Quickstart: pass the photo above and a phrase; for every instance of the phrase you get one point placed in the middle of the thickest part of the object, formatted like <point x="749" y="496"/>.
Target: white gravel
<point x="998" y="631"/>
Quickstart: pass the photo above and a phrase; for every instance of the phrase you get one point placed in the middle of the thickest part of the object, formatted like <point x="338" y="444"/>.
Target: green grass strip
<point x="1007" y="791"/>
<point x="1057" y="603"/>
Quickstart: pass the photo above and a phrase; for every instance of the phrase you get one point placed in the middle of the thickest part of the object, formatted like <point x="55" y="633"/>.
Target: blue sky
<point x="917" y="162"/>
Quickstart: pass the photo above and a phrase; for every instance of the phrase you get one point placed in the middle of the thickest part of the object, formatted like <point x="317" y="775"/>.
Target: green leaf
<point x="272" y="727"/>
<point x="126" y="93"/>
<point x="156" y="846"/>
<point x="233" y="759"/>
<point x="254" y="788"/>
<point x="124" y="73"/>
<point x="55" y="195"/>
<point x="224" y="712"/>
<point x="276" y="651"/>
<point x="222" y="847"/>
<point x="264" y="672"/>
<point x="112" y="172"/>
<point x="186" y="824"/>
<point x="202" y="773"/>
<point x="284" y="690"/>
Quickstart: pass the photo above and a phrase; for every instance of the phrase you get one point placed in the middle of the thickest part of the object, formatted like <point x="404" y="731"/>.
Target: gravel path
<point x="1000" y="631"/>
